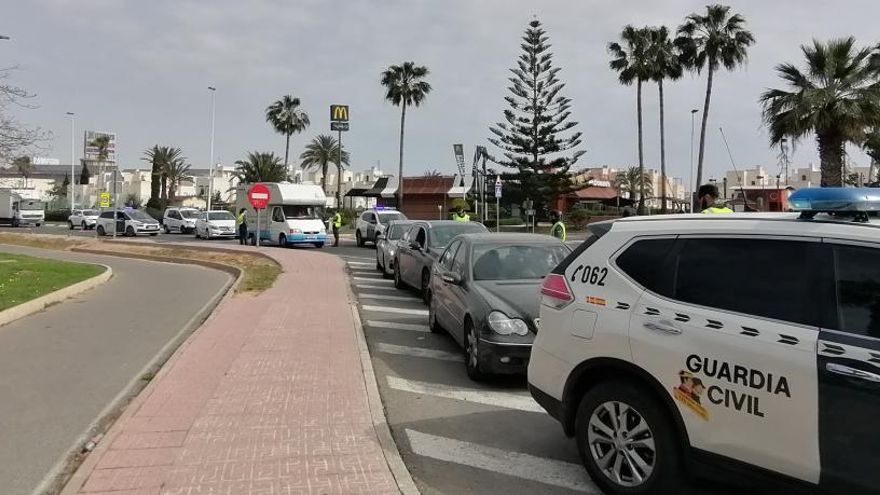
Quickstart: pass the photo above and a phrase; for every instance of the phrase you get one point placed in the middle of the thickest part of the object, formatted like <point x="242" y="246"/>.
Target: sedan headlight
<point x="502" y="324"/>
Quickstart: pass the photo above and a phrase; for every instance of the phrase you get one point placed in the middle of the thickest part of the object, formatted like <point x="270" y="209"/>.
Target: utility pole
<point x="339" y="173"/>
<point x="211" y="163"/>
<point x="115" y="204"/>
<point x="72" y="160"/>
<point x="691" y="181"/>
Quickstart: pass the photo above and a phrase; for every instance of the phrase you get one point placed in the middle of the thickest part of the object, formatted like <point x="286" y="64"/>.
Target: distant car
<point x="371" y="224"/>
<point x="182" y="220"/>
<point x="484" y="292"/>
<point x="215" y="223"/>
<point x="421" y="246"/>
<point x="386" y="245"/>
<point x="128" y="222"/>
<point x="85" y="219"/>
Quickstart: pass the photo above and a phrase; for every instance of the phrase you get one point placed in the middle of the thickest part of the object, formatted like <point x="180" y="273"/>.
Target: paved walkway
<point x="268" y="397"/>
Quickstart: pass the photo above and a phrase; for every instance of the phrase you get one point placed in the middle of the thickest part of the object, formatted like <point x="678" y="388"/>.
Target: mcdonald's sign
<point x="338" y="113"/>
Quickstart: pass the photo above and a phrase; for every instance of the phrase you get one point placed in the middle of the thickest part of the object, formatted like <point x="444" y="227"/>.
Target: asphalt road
<point x="60" y="368"/>
<point x="455" y="435"/>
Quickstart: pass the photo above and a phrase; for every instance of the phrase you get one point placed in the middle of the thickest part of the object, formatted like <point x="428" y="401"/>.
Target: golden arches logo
<point x="339" y="113"/>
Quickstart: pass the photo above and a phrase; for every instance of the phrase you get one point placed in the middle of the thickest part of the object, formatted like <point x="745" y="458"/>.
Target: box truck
<point x="18" y="211"/>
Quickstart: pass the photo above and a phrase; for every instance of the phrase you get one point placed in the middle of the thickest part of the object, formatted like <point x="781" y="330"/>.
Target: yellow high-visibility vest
<point x="461" y="218"/>
<point x="717" y="210"/>
<point x="337" y="220"/>
<point x="241" y="218"/>
<point x="558" y="231"/>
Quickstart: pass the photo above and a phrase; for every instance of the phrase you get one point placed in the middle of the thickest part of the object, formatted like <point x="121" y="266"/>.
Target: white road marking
<point x="383" y="287"/>
<point x="487" y="397"/>
<point x="400" y="311"/>
<point x="373" y="279"/>
<point x="517" y="464"/>
<point x="421" y="352"/>
<point x="365" y="295"/>
<point x="393" y="325"/>
<point x="361" y="263"/>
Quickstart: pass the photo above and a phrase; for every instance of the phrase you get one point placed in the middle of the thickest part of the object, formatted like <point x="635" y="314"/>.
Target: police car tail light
<point x="856" y="202"/>
<point x="555" y="291"/>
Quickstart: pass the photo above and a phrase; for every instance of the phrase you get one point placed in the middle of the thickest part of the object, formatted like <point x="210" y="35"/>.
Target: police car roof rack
<point x="858" y="202"/>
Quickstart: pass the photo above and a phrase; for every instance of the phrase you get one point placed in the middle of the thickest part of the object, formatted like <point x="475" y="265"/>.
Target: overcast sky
<point x="141" y="69"/>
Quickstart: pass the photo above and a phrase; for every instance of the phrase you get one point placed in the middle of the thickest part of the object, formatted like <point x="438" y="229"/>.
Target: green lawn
<point x="23" y="278"/>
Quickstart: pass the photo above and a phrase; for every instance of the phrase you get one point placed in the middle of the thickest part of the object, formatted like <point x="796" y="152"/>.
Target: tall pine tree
<point x="532" y="138"/>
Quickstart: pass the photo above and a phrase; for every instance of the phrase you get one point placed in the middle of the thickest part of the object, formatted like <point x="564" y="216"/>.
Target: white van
<point x="291" y="218"/>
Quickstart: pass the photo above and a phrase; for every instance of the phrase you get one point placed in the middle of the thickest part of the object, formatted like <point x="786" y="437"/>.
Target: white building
<point x="606" y="176"/>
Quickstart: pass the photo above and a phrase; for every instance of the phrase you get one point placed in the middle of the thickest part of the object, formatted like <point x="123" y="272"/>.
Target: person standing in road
<point x="460" y="215"/>
<point x="558" y="229"/>
<point x="241" y="223"/>
<point x="708" y="194"/>
<point x="337" y="223"/>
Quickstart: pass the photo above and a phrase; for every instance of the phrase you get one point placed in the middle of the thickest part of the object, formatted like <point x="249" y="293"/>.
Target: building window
<point x="803" y="177"/>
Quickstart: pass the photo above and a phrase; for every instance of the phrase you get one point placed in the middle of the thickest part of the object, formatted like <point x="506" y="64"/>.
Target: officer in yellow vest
<point x="558" y="229"/>
<point x="460" y="215"/>
<point x="708" y="194"/>
<point x="241" y="223"/>
<point x="337" y="223"/>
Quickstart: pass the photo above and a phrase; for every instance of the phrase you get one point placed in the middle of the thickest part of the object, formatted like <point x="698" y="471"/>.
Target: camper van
<point x="291" y="218"/>
<point x="17" y="211"/>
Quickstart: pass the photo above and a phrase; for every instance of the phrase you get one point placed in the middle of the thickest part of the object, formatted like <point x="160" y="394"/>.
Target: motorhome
<point x="292" y="216"/>
<point x="18" y="211"/>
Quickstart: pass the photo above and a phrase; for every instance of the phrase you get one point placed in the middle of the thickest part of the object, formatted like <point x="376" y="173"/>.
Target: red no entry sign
<point x="258" y="195"/>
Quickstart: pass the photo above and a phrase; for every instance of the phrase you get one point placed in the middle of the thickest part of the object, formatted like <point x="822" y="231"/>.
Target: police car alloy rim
<point x="621" y="443"/>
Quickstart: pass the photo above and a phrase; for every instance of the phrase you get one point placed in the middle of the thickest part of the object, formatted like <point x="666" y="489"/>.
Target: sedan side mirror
<point x="451" y="278"/>
<point x="380" y="237"/>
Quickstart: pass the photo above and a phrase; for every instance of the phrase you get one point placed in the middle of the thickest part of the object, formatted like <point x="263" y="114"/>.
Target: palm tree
<point x="23" y="166"/>
<point x="286" y="118"/>
<point x="871" y="145"/>
<point x="159" y="157"/>
<point x="102" y="143"/>
<point x="176" y="172"/>
<point x="632" y="180"/>
<point x="631" y="60"/>
<point x="404" y="86"/>
<point x="837" y="98"/>
<point x="664" y="64"/>
<point x="432" y="173"/>
<point x="260" y="167"/>
<point x="320" y="153"/>
<point x="708" y="42"/>
<point x="170" y="155"/>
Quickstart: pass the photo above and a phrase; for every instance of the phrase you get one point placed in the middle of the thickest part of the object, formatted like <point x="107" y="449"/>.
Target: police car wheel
<point x="626" y="442"/>
<point x="359" y="239"/>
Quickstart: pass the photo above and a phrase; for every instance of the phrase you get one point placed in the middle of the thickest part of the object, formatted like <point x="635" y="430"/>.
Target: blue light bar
<point x="835" y="200"/>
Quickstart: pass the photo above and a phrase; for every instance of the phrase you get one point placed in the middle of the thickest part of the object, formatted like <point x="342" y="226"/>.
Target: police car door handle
<point x="840" y="369"/>
<point x="664" y="326"/>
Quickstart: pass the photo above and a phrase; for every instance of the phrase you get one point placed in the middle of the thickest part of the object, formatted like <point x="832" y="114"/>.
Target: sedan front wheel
<point x="472" y="353"/>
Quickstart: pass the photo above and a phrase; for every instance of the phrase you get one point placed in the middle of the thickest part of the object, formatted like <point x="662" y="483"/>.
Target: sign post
<point x="258" y="196"/>
<point x="497" y="203"/>
<point x="339" y="123"/>
<point x="458" y="149"/>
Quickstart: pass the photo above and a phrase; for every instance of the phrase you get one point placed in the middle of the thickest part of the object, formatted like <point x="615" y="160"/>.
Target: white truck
<point x="17" y="211"/>
<point x="292" y="216"/>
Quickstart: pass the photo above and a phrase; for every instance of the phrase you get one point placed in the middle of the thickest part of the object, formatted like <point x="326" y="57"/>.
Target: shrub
<point x="457" y="203"/>
<point x="57" y="215"/>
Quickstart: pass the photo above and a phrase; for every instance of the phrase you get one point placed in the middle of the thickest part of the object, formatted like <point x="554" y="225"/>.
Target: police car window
<point x="760" y="277"/>
<point x="107" y="214"/>
<point x="448" y="255"/>
<point x="858" y="290"/>
<point x="644" y="262"/>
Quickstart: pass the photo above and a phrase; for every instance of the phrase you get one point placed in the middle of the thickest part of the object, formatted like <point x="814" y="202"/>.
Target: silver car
<point x="386" y="245"/>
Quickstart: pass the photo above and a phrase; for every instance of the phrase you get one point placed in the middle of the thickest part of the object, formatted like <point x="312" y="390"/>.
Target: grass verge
<point x="258" y="272"/>
<point x="23" y="278"/>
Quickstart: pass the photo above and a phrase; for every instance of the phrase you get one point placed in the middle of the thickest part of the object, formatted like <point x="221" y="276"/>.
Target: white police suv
<point x="746" y="342"/>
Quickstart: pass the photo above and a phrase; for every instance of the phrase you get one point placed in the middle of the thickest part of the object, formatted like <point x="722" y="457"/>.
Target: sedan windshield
<point x="140" y="216"/>
<point x="396" y="231"/>
<point x="442" y="234"/>
<point x="220" y="215"/>
<point x="516" y="262"/>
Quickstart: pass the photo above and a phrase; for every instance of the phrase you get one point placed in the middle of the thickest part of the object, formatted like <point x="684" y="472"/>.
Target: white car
<point x="371" y="224"/>
<point x="84" y="219"/>
<point x="215" y="223"/>
<point x="181" y="220"/>
<point x="745" y="342"/>
<point x="128" y="222"/>
<point x="386" y="245"/>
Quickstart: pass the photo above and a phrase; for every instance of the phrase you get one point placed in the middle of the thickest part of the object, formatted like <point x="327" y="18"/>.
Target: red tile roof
<point x="426" y="185"/>
<point x="595" y="192"/>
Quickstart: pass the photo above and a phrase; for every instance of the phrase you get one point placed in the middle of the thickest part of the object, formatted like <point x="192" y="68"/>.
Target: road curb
<point x="36" y="305"/>
<point x="59" y="480"/>
<point x="398" y="468"/>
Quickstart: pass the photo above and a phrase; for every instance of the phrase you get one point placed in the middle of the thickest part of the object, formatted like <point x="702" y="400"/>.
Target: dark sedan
<point x="421" y="246"/>
<point x="484" y="291"/>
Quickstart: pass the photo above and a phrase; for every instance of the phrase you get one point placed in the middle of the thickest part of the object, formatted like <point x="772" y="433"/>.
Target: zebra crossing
<point x="475" y="438"/>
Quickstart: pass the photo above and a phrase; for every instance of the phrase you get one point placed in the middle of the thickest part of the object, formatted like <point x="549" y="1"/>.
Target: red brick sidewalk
<point x="267" y="397"/>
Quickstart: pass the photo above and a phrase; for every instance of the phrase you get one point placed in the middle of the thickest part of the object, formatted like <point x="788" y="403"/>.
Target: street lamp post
<point x="72" y="159"/>
<point x="691" y="180"/>
<point x="211" y="163"/>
